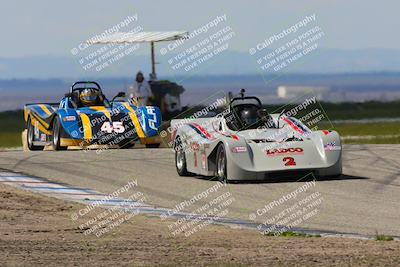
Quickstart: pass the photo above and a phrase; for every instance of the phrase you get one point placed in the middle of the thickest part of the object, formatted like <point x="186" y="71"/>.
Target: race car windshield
<point x="246" y="117"/>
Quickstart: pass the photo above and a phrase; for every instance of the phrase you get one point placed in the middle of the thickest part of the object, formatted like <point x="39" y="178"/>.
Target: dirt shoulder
<point x="36" y="230"/>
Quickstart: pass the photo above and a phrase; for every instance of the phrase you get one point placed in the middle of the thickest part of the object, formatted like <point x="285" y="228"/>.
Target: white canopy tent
<point x="141" y="37"/>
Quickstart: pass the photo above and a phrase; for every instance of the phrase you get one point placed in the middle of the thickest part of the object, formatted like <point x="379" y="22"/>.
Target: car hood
<point x="102" y="110"/>
<point x="272" y="135"/>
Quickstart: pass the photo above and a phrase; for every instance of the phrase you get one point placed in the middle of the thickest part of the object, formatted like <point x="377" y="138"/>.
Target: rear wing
<point x="43" y="112"/>
<point x="56" y="105"/>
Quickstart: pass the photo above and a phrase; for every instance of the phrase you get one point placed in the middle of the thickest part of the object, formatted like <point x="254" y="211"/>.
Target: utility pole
<point x="153" y="63"/>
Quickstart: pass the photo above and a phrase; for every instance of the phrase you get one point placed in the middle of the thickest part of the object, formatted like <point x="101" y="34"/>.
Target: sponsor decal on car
<point x="69" y="118"/>
<point x="325" y="132"/>
<point x="194" y="146"/>
<point x="201" y="131"/>
<point x="203" y="160"/>
<point x="284" y="151"/>
<point x="332" y="146"/>
<point x="239" y="149"/>
<point x="152" y="118"/>
<point x="195" y="159"/>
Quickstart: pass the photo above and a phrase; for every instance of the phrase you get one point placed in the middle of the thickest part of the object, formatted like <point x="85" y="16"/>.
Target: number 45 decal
<point x="116" y="127"/>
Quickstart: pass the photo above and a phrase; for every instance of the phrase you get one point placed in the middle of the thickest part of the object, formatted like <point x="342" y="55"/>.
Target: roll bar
<point x="85" y="82"/>
<point x="242" y="97"/>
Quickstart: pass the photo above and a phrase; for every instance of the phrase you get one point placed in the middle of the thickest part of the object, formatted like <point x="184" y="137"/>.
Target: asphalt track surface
<point x="365" y="200"/>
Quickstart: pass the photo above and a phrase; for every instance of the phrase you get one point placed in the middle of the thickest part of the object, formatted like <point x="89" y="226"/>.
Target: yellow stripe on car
<point x="45" y="124"/>
<point x="45" y="109"/>
<point x="87" y="128"/>
<point x="26" y="114"/>
<point x="135" y="121"/>
<point x="37" y="124"/>
<point x="73" y="142"/>
<point x="102" y="109"/>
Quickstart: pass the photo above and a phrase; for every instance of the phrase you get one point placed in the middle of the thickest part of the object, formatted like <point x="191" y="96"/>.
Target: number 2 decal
<point x="289" y="161"/>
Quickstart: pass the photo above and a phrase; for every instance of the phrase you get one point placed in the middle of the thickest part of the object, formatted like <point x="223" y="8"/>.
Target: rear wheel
<point x="30" y="135"/>
<point x="180" y="158"/>
<point x="55" y="142"/>
<point x="221" y="164"/>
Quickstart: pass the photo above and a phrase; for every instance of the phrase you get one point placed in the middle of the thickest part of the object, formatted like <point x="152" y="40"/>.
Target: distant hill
<point x="347" y="87"/>
<point x="226" y="63"/>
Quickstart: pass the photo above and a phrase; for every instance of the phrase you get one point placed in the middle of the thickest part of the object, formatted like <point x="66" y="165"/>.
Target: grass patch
<point x="381" y="128"/>
<point x="12" y="126"/>
<point x="335" y="111"/>
<point x="377" y="140"/>
<point x="13" y="123"/>
<point x="365" y="110"/>
<point x="381" y="237"/>
<point x="10" y="139"/>
<point x="368" y="133"/>
<point x="291" y="234"/>
<point x="352" y="111"/>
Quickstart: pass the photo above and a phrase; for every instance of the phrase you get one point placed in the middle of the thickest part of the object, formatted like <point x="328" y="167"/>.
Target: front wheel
<point x="180" y="158"/>
<point x="55" y="143"/>
<point x="30" y="137"/>
<point x="221" y="164"/>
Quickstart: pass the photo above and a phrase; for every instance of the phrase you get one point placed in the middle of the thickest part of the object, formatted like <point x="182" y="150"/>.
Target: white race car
<point x="244" y="142"/>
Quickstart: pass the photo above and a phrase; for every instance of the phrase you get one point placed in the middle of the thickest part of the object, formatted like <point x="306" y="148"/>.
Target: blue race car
<point x="86" y="117"/>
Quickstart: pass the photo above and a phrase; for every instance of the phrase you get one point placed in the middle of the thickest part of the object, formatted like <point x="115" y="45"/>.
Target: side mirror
<point x="280" y="115"/>
<point x="120" y="94"/>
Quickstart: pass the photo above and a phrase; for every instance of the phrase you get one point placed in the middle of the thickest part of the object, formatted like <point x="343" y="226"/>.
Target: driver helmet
<point x="89" y="96"/>
<point x="248" y="116"/>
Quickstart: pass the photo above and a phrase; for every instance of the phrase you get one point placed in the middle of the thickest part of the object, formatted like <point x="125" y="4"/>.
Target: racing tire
<point x="221" y="164"/>
<point x="29" y="137"/>
<point x="152" y="145"/>
<point x="180" y="158"/>
<point x="55" y="139"/>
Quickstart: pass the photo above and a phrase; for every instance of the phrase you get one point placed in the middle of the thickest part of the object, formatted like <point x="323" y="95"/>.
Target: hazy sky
<point x="48" y="27"/>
